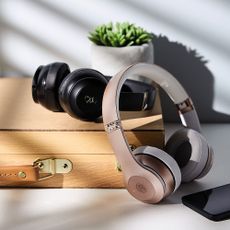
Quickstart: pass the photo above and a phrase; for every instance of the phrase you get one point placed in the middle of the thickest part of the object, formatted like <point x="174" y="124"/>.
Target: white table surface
<point x="73" y="209"/>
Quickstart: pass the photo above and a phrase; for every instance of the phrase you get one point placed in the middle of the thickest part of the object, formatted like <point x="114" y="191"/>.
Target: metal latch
<point x="50" y="166"/>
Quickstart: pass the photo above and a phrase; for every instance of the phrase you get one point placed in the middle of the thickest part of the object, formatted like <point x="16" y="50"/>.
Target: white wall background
<point x="34" y="32"/>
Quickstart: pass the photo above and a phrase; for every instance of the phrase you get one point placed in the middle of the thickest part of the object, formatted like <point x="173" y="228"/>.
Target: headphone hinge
<point x="185" y="106"/>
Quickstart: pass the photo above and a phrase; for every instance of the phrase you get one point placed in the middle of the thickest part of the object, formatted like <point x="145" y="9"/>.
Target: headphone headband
<point x="111" y="114"/>
<point x="162" y="78"/>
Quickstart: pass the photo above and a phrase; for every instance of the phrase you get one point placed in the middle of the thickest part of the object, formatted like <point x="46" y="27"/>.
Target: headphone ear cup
<point x="35" y="83"/>
<point x="80" y="95"/>
<point x="38" y="84"/>
<point x="46" y="82"/>
<point x="192" y="153"/>
<point x="160" y="163"/>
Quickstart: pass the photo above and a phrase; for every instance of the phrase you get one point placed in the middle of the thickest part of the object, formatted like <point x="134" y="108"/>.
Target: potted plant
<point x="115" y="46"/>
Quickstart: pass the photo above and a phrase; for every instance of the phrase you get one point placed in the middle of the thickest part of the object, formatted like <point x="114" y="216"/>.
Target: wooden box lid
<point x="29" y="132"/>
<point x="27" y="127"/>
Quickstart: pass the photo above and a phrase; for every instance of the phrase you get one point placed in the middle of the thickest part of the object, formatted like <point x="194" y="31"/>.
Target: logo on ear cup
<point x="90" y="100"/>
<point x="141" y="188"/>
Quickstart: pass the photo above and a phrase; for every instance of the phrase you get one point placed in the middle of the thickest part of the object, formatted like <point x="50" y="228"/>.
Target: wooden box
<point x="29" y="132"/>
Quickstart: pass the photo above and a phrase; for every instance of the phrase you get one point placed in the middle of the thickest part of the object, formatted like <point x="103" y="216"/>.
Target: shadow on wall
<point x="191" y="71"/>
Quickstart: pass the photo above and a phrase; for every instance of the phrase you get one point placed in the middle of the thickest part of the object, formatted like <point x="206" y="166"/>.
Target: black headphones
<point x="79" y="93"/>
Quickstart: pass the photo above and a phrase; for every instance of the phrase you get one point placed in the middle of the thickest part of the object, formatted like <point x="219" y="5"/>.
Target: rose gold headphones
<point x="150" y="173"/>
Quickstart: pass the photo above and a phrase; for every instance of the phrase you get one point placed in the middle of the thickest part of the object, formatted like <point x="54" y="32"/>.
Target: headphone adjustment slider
<point x="113" y="126"/>
<point x="185" y="106"/>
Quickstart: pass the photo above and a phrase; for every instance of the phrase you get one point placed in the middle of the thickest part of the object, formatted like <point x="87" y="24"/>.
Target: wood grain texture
<point x="28" y="132"/>
<point x="19" y="112"/>
<point x="89" y="171"/>
<point x="58" y="142"/>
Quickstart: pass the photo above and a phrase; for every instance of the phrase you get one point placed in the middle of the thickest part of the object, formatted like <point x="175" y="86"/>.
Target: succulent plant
<point x="119" y="35"/>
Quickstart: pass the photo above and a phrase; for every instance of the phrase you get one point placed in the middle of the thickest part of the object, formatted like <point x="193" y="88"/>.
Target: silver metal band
<point x="113" y="126"/>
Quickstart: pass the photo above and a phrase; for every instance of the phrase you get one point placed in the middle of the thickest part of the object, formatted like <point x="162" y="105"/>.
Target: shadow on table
<point x="190" y="68"/>
<point x="183" y="190"/>
<point x="99" y="214"/>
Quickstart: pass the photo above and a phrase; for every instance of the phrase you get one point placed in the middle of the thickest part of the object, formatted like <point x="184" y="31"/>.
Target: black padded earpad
<point x="39" y="82"/>
<point x="46" y="82"/>
<point x="191" y="152"/>
<point x="35" y="82"/>
<point x="80" y="95"/>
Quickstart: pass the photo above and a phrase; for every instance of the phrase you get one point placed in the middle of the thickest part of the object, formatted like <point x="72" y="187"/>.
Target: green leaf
<point x="130" y="43"/>
<point x="119" y="34"/>
<point x="122" y="42"/>
<point x="143" y="36"/>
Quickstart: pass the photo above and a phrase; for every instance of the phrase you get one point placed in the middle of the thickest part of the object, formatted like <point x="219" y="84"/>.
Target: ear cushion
<point x="159" y="161"/>
<point x="208" y="165"/>
<point x="192" y="153"/>
<point x="35" y="82"/>
<point x="38" y="84"/>
<point x="76" y="91"/>
<point x="46" y="82"/>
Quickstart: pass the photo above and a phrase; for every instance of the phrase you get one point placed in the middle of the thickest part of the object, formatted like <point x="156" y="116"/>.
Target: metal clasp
<point x="50" y="166"/>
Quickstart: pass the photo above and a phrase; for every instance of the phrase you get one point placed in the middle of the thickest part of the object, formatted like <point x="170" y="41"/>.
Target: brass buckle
<point x="50" y="166"/>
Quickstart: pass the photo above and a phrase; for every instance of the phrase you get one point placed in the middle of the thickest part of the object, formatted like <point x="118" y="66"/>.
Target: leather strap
<point x="19" y="173"/>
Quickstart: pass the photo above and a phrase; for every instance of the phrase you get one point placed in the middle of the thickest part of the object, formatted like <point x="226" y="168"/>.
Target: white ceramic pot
<point x="110" y="60"/>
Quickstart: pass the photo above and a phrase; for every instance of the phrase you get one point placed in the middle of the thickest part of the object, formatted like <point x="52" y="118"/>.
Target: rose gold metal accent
<point x="132" y="168"/>
<point x="161" y="169"/>
<point x="143" y="189"/>
<point x="143" y="183"/>
<point x="185" y="106"/>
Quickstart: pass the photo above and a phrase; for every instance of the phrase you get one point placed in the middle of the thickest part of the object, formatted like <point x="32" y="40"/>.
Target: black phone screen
<point x="212" y="203"/>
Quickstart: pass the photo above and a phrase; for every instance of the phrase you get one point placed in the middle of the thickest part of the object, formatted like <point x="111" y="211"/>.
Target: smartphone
<point x="212" y="203"/>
